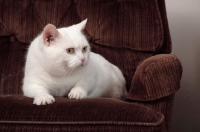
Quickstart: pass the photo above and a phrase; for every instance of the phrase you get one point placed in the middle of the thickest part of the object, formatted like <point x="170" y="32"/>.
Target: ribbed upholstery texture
<point x="131" y="30"/>
<point x="156" y="77"/>
<point x="74" y="113"/>
<point x="97" y="110"/>
<point x="132" y="34"/>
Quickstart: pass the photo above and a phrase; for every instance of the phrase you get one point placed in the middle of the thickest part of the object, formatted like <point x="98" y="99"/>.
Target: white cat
<point x="59" y="63"/>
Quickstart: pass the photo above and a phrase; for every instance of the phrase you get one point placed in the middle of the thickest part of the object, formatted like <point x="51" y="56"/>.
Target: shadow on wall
<point x="184" y="23"/>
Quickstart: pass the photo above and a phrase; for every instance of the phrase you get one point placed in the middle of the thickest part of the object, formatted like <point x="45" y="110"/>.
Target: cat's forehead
<point x="73" y="39"/>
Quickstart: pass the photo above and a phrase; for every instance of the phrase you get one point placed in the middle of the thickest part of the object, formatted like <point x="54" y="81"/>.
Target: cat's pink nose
<point x="82" y="59"/>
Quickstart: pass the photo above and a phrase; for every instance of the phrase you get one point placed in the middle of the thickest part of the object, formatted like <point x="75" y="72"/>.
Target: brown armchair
<point x="132" y="34"/>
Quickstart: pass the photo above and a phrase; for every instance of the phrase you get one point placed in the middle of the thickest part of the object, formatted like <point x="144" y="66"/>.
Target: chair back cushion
<point x="125" y="32"/>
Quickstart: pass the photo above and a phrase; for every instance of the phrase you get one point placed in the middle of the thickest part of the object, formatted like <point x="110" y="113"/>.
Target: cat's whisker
<point x="68" y="71"/>
<point x="71" y="71"/>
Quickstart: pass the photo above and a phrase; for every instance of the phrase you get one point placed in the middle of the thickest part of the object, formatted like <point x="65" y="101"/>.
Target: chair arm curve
<point x="156" y="77"/>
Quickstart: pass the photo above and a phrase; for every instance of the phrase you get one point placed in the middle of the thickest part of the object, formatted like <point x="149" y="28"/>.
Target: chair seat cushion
<point x="19" y="110"/>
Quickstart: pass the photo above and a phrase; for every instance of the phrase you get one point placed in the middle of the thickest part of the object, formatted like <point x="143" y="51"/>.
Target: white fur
<point x="51" y="71"/>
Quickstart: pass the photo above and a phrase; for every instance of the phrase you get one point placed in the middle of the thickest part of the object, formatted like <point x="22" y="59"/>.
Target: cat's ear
<point x="81" y="26"/>
<point x="50" y="33"/>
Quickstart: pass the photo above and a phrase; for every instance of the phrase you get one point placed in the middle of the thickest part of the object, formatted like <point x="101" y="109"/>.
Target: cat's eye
<point x="70" y="50"/>
<point x="84" y="49"/>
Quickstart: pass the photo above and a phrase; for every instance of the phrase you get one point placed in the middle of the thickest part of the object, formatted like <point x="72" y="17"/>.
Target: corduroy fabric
<point x="12" y="59"/>
<point x="163" y="106"/>
<point x="156" y="77"/>
<point x="88" y="110"/>
<point x="102" y="111"/>
<point x="76" y="128"/>
<point x="128" y="33"/>
<point x="134" y="29"/>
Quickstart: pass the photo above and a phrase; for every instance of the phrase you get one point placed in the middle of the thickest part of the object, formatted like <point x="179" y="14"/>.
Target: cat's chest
<point x="64" y="82"/>
<point x="61" y="86"/>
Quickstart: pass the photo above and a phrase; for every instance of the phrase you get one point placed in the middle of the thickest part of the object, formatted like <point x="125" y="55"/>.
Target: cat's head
<point x="66" y="47"/>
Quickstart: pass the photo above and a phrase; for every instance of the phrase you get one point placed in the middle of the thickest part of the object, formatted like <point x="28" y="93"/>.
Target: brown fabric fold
<point x="156" y="77"/>
<point x="17" y="109"/>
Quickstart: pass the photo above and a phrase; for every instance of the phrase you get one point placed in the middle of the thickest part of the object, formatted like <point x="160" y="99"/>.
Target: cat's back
<point x="109" y="77"/>
<point x="98" y="59"/>
<point x="103" y="66"/>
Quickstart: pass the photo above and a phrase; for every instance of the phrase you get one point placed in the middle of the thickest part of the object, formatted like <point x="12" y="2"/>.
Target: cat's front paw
<point x="43" y="100"/>
<point x="77" y="94"/>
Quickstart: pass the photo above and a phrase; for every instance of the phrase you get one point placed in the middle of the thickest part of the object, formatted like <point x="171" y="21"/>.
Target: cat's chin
<point x="77" y="65"/>
<point x="83" y="64"/>
<point x="80" y="66"/>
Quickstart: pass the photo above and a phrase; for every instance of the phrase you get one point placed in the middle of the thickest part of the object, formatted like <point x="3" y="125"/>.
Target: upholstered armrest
<point x="156" y="77"/>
